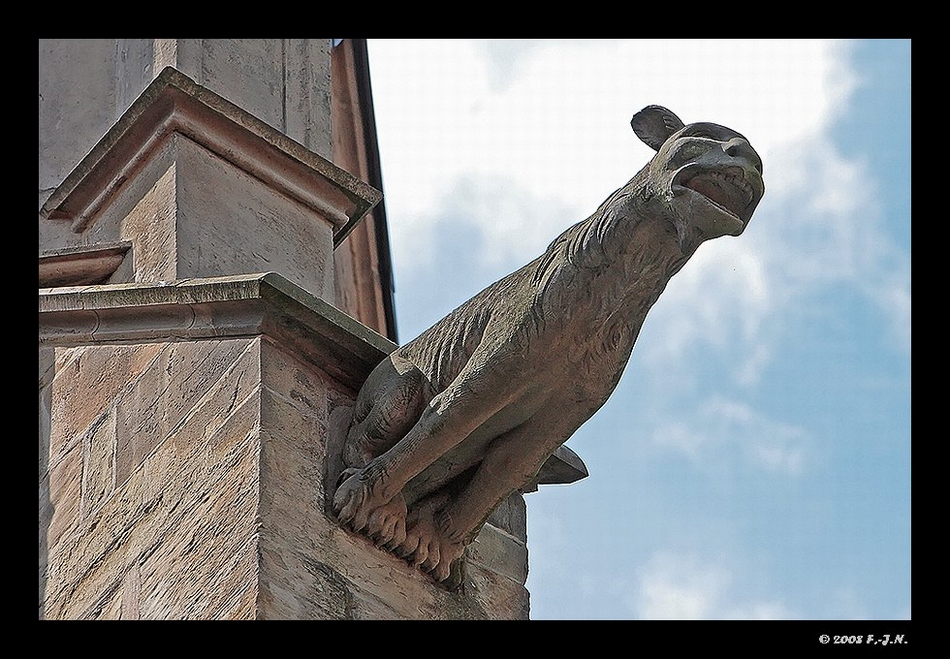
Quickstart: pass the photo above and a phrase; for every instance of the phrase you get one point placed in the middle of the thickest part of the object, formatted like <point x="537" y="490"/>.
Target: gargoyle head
<point x="709" y="175"/>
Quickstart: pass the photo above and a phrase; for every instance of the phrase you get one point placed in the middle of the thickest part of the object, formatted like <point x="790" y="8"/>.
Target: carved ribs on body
<point x="453" y="422"/>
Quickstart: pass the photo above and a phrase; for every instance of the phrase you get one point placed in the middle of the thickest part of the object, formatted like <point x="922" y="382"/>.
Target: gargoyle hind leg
<point x="389" y="403"/>
<point x="388" y="406"/>
<point x="438" y="531"/>
<point x="447" y="420"/>
<point x="511" y="462"/>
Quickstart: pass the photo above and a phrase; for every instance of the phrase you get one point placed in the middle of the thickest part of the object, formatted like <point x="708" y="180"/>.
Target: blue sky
<point x="754" y="461"/>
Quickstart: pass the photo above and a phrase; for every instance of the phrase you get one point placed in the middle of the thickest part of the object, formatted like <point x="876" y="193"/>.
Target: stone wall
<point x="152" y="483"/>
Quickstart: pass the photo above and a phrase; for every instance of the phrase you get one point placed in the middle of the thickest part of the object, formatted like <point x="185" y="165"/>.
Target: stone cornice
<point x="174" y="103"/>
<point x="192" y="309"/>
<point x="83" y="265"/>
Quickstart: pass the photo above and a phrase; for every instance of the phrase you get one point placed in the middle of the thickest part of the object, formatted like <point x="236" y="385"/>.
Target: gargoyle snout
<point x="738" y="147"/>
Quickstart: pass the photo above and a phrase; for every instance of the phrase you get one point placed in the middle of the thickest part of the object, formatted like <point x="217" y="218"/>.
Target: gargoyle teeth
<point x="727" y="189"/>
<point x="736" y="180"/>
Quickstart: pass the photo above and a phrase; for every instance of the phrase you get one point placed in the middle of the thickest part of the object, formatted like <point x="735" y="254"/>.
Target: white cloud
<point x="553" y="116"/>
<point x="514" y="224"/>
<point x="521" y="139"/>
<point x="718" y="301"/>
<point x="825" y="227"/>
<point x="721" y="429"/>
<point x="674" y="586"/>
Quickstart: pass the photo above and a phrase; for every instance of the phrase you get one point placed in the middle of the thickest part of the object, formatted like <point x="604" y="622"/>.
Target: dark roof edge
<point x="365" y="91"/>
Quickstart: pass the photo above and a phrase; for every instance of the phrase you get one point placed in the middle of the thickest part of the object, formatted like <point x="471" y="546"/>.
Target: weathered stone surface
<point x="174" y="388"/>
<point x="86" y="85"/>
<point x="499" y="552"/>
<point x="454" y="421"/>
<point x="187" y="406"/>
<point x="184" y="518"/>
<point x="100" y="376"/>
<point x="241" y="305"/>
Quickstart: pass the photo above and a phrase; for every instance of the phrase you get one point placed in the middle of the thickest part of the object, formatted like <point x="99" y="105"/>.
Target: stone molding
<point x="81" y="266"/>
<point x="233" y="306"/>
<point x="174" y="103"/>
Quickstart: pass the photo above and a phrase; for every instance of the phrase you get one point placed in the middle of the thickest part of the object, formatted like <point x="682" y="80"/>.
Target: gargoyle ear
<point x="654" y="124"/>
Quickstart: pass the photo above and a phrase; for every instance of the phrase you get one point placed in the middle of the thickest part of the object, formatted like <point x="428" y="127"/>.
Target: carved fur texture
<point x="456" y="420"/>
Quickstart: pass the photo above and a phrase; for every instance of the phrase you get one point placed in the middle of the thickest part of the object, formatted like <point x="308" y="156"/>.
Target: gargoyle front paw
<point x="350" y="501"/>
<point x="360" y="508"/>
<point x="345" y="474"/>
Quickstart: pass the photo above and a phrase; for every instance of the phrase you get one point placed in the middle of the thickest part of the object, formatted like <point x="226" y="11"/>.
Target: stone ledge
<point x="501" y="553"/>
<point x="563" y="467"/>
<point x="81" y="266"/>
<point x="174" y="103"/>
<point x="243" y="305"/>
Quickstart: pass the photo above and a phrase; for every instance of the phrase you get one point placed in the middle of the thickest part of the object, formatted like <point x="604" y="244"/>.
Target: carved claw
<point x="408" y="546"/>
<point x="345" y="474"/>
<point x="387" y="524"/>
<point x="444" y="569"/>
<point x="421" y="553"/>
<point x="439" y="557"/>
<point x="433" y="558"/>
<point x="348" y="502"/>
<point x="426" y="548"/>
<point x="443" y="521"/>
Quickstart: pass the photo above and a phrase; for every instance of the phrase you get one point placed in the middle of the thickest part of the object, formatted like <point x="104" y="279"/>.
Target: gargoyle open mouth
<point x="726" y="189"/>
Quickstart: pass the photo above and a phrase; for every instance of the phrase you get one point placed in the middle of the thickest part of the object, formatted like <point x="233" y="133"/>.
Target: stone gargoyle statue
<point x="453" y="422"/>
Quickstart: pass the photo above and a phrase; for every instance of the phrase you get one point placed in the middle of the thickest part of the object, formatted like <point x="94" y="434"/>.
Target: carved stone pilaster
<point x="201" y="188"/>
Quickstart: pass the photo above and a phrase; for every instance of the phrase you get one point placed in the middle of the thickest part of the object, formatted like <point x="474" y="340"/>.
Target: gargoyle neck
<point x="656" y="249"/>
<point x="651" y="255"/>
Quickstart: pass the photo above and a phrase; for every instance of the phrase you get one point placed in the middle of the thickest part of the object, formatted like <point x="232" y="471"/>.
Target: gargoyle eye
<point x="687" y="150"/>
